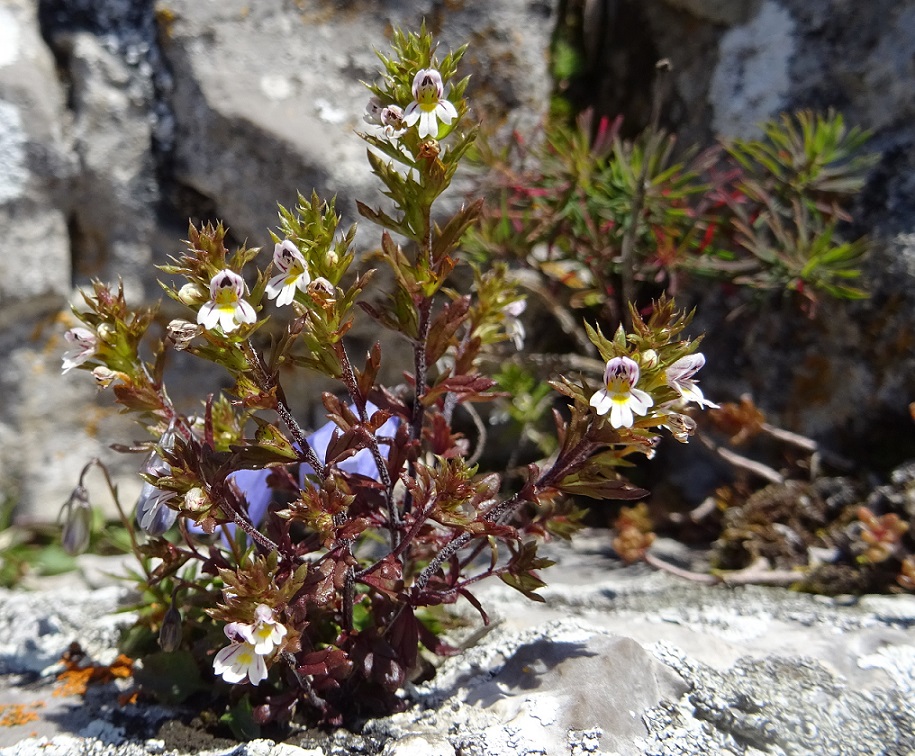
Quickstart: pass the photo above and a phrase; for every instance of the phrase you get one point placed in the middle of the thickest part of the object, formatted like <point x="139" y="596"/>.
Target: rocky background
<point x="122" y="119"/>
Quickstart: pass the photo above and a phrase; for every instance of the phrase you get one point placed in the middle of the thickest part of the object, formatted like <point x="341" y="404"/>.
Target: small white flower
<point x="227" y="307"/>
<point x="180" y="333"/>
<point x="389" y="117"/>
<point x="680" y="378"/>
<point x="392" y="120"/>
<point x="244" y="657"/>
<point x="514" y="328"/>
<point x="85" y="342"/>
<point x="428" y="107"/>
<point x="239" y="661"/>
<point x="373" y="110"/>
<point x="104" y="376"/>
<point x="321" y="288"/>
<point x="293" y="273"/>
<point x="681" y="426"/>
<point x="267" y="633"/>
<point x="619" y="396"/>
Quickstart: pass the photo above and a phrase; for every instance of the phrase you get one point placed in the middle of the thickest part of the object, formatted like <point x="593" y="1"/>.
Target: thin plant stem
<point x="268" y="382"/>
<point x="352" y="385"/>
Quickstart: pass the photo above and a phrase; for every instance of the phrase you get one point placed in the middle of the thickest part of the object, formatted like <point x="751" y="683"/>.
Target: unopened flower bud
<point x="192" y="294"/>
<point x="170" y="631"/>
<point x="196" y="500"/>
<point x="77" y="522"/>
<point x="649" y="359"/>
<point x="107" y="333"/>
<point x="181" y="332"/>
<point x="152" y="510"/>
<point x="153" y="513"/>
<point x="297" y="326"/>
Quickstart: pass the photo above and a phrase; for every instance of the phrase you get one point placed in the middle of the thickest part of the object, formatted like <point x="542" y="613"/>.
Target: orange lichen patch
<point x="13" y="715"/>
<point x="74" y="680"/>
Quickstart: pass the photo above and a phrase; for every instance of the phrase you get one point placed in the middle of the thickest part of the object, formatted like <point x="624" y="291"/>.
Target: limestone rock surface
<point x="616" y="661"/>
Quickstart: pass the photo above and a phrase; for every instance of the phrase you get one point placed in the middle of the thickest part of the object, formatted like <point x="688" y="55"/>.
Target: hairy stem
<point x="352" y="386"/>
<point x="505" y="509"/>
<point x="420" y="369"/>
<point x="228" y="503"/>
<point x="268" y="382"/>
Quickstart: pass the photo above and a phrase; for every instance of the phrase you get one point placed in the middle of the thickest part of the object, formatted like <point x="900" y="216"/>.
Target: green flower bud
<point x="649" y="359"/>
<point x="196" y="500"/>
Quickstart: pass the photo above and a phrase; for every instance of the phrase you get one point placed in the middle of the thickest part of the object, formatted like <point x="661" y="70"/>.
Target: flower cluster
<point x="623" y="401"/>
<point x="245" y="657"/>
<point x="427" y="108"/>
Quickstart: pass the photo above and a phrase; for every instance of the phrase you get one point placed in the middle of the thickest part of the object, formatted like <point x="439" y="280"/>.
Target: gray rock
<point x="621" y="661"/>
<point x="116" y="215"/>
<point x="268" y="96"/>
<point x="45" y="422"/>
<point x="36" y="274"/>
<point x="723" y="12"/>
<point x="750" y="83"/>
<point x="37" y="627"/>
<point x="793" y="706"/>
<point x="35" y="162"/>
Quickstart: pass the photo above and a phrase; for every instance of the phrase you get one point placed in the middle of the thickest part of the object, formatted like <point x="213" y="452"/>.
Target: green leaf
<point x="240" y="720"/>
<point x="53" y="560"/>
<point x="171" y="677"/>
